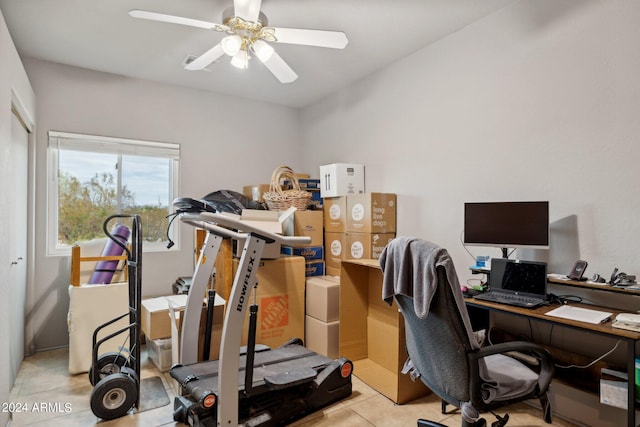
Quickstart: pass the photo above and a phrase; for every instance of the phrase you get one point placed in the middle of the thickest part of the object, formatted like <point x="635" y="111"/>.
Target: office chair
<point x="443" y="350"/>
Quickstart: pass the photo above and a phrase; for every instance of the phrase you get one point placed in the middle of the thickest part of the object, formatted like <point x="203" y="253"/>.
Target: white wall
<point x="225" y="143"/>
<point x="14" y="88"/>
<point x="538" y="101"/>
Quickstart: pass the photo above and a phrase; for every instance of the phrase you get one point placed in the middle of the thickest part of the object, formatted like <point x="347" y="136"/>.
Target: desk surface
<point x="540" y="314"/>
<point x="575" y="283"/>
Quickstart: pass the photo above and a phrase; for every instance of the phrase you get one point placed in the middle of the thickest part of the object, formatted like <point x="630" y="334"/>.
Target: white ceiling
<point x="100" y="35"/>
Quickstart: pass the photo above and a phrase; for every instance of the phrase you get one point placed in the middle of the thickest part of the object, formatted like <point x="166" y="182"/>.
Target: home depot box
<point x="371" y="333"/>
<point x="306" y="223"/>
<point x="322" y="337"/>
<point x="323" y="298"/>
<point x="371" y="213"/>
<point x="335" y="214"/>
<point x="334" y="246"/>
<point x="280" y="297"/>
<point x="366" y="245"/>
<point x="340" y="179"/>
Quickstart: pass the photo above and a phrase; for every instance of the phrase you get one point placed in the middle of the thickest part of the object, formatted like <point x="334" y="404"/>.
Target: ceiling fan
<point x="247" y="32"/>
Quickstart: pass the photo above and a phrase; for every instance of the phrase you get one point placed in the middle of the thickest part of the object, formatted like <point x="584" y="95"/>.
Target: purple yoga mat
<point x="105" y="269"/>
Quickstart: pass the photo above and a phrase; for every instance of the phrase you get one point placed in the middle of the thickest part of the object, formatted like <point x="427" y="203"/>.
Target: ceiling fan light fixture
<point x="262" y="49"/>
<point x="232" y="44"/>
<point x="241" y="60"/>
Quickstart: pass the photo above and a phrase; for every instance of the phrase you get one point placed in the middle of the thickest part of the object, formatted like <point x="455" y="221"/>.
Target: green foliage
<point x="83" y="207"/>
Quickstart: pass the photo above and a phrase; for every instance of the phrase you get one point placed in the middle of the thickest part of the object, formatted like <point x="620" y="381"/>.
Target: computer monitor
<point x="507" y="225"/>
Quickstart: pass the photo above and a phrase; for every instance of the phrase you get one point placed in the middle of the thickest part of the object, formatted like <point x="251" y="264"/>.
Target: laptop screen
<point x="522" y="277"/>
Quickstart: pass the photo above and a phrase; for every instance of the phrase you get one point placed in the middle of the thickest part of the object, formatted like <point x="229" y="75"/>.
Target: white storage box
<point x="341" y="179"/>
<point x="89" y="307"/>
<point x="159" y="351"/>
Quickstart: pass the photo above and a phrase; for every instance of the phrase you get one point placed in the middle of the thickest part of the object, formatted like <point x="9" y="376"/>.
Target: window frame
<point x="108" y="145"/>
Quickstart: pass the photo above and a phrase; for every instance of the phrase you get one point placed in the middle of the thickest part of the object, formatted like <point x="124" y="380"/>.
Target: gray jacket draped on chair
<point x="409" y="268"/>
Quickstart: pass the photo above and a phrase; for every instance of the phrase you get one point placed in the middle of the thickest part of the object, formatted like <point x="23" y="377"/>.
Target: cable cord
<point x="465" y="246"/>
<point x="173" y="217"/>
<point x="592" y="362"/>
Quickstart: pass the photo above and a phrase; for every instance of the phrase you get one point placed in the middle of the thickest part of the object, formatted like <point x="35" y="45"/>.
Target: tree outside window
<point x="96" y="177"/>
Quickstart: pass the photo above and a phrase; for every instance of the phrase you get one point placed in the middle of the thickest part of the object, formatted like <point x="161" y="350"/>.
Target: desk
<point x="629" y="337"/>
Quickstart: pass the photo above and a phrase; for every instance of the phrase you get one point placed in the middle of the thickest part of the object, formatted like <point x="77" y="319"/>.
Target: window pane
<point x="87" y="194"/>
<point x="94" y="185"/>
<point x="148" y="181"/>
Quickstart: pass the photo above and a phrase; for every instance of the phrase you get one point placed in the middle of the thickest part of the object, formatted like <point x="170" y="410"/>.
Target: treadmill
<point x="252" y="385"/>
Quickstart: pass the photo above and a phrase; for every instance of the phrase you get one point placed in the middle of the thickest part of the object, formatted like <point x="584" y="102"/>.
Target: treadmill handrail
<point x="223" y="225"/>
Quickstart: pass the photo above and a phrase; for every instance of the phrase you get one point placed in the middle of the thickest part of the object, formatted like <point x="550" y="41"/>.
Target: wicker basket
<point x="278" y="199"/>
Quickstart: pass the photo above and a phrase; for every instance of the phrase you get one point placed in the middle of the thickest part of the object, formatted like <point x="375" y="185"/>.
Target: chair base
<point x="480" y="422"/>
<point x="427" y="423"/>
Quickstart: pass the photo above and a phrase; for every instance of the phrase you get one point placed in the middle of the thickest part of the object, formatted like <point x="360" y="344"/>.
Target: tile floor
<point x="44" y="377"/>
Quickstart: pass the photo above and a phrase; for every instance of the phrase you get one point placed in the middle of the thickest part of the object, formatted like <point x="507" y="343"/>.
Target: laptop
<point x="516" y="282"/>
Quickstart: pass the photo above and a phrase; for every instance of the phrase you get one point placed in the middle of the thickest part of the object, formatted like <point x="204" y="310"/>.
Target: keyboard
<point x="510" y="299"/>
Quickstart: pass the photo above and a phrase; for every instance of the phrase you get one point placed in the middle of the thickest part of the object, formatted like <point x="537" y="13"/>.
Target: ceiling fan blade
<point x="280" y="69"/>
<point x="172" y="19"/>
<point x="205" y="59"/>
<point x="249" y="10"/>
<point x="320" y="38"/>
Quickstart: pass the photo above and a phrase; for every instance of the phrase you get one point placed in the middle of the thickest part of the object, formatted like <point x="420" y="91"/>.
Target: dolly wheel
<point x="130" y="372"/>
<point x="114" y="396"/>
<point x="107" y="364"/>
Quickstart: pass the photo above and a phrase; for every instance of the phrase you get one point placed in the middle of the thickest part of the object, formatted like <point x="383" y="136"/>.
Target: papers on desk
<point x="580" y="314"/>
<point x="628" y="321"/>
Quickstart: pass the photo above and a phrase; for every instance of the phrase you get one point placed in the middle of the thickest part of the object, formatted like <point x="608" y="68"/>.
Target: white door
<point x="18" y="243"/>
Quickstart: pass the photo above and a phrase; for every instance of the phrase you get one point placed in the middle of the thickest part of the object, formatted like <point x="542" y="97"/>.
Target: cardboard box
<point x="371" y="333"/>
<point x="316" y="198"/>
<point x="309" y="184"/>
<point x="310" y="253"/>
<point x="155" y="315"/>
<point x="314" y="268"/>
<point x="323" y="298"/>
<point x="331" y="271"/>
<point x="216" y="331"/>
<point x="322" y="337"/>
<point x="335" y="214"/>
<point x="280" y="297"/>
<point x="334" y="246"/>
<point x="306" y="223"/>
<point x="341" y="179"/>
<point x="271" y="221"/>
<point x="255" y="192"/>
<point x="304" y="183"/>
<point x="366" y="245"/>
<point x="371" y="213"/>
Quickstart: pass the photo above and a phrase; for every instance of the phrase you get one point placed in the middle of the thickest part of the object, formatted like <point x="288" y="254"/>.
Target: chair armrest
<point x="546" y="362"/>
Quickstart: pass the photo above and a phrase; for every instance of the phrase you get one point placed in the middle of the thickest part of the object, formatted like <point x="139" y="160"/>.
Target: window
<point x="92" y="177"/>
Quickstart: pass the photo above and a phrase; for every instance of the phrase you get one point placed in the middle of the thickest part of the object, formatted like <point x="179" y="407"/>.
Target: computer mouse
<point x="464" y="289"/>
